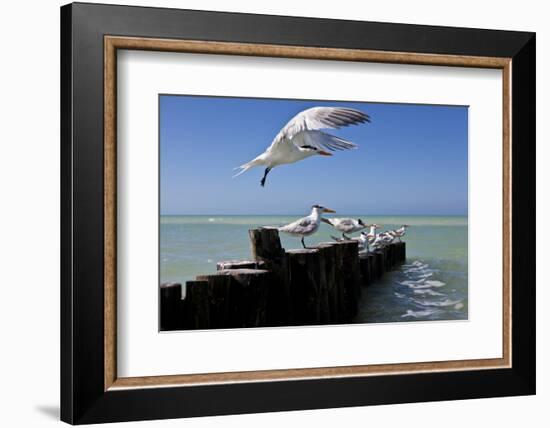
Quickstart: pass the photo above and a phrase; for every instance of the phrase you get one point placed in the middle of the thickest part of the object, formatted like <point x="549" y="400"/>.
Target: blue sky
<point x="411" y="160"/>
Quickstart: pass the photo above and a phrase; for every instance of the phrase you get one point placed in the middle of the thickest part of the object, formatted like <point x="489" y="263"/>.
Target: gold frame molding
<point x="113" y="43"/>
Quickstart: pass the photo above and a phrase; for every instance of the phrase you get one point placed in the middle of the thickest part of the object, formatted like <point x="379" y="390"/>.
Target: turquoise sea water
<point x="431" y="285"/>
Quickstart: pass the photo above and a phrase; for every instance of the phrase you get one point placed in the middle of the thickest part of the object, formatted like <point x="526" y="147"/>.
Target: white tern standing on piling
<point x="345" y="225"/>
<point x="399" y="233"/>
<point x="364" y="239"/>
<point x="301" y="137"/>
<point x="364" y="242"/>
<point x="382" y="239"/>
<point x="307" y="225"/>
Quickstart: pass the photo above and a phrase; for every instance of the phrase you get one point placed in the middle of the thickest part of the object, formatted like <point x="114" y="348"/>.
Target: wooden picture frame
<point x="91" y="390"/>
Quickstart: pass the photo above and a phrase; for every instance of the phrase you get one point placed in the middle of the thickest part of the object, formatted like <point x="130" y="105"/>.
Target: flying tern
<point x="301" y="138"/>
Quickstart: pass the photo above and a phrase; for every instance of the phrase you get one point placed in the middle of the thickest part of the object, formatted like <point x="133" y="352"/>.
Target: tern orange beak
<point x="323" y="153"/>
<point x="328" y="210"/>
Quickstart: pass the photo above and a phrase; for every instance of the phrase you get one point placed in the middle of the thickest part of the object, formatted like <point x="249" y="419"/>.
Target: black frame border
<point x="83" y="399"/>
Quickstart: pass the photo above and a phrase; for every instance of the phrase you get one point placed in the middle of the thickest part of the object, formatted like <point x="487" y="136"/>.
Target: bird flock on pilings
<point x="367" y="241"/>
<point x="301" y="138"/>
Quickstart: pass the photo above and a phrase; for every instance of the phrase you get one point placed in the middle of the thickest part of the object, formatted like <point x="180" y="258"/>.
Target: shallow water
<point x="431" y="285"/>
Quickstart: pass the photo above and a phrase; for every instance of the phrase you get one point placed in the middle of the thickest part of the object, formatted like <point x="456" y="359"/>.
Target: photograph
<point x="279" y="210"/>
<point x="291" y="212"/>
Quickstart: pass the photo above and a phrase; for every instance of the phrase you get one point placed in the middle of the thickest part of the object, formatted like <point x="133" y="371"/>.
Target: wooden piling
<point x="267" y="249"/>
<point x="326" y="291"/>
<point x="306" y="274"/>
<point x="364" y="265"/>
<point x="350" y="270"/>
<point x="400" y="250"/>
<point x="379" y="262"/>
<point x="388" y="250"/>
<point x="238" y="297"/>
<point x="171" y="307"/>
<point x="334" y="283"/>
<point x="197" y="305"/>
<point x="222" y="300"/>
<point x="254" y="288"/>
<point x="298" y="287"/>
<point x="240" y="264"/>
<point x="339" y="283"/>
<point x="373" y="266"/>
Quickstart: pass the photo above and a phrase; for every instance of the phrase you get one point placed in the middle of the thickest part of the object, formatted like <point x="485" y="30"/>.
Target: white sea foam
<point x="428" y="292"/>
<point x="416" y="286"/>
<point x="421" y="269"/>
<point x="410" y="282"/>
<point x="443" y="303"/>
<point x="434" y="283"/>
<point x="421" y="314"/>
<point x="426" y="275"/>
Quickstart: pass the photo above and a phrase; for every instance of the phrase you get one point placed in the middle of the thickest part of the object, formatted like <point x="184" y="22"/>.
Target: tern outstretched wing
<point x="316" y="118"/>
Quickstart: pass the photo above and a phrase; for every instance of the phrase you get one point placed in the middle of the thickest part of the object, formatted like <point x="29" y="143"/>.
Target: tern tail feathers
<point x="326" y="220"/>
<point x="245" y="167"/>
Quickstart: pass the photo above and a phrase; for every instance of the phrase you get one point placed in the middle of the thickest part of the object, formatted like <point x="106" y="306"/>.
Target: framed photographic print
<point x="320" y="213"/>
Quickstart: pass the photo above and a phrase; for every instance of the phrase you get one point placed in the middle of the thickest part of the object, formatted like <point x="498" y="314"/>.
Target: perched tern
<point x="364" y="242"/>
<point x="372" y="233"/>
<point x="307" y="225"/>
<point x="382" y="239"/>
<point x="301" y="137"/>
<point x="345" y="225"/>
<point x="399" y="232"/>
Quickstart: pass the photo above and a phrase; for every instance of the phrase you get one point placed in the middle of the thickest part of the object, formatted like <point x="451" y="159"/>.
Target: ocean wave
<point x="433" y="283"/>
<point x="421" y="314"/>
<point x="419" y="286"/>
<point x="428" y="292"/>
<point x="443" y="303"/>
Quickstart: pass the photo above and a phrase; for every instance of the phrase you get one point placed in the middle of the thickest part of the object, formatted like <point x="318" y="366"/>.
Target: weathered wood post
<point x="379" y="262"/>
<point x="364" y="264"/>
<point x="400" y="250"/>
<point x="221" y="300"/>
<point x="171" y="307"/>
<point x="197" y="305"/>
<point x="267" y="249"/>
<point x="238" y="297"/>
<point x="240" y="264"/>
<point x="254" y="290"/>
<point x="334" y="282"/>
<point x="340" y="284"/>
<point x="350" y="270"/>
<point x="389" y="257"/>
<point x="373" y="265"/>
<point x="326" y="260"/>
<point x="307" y="277"/>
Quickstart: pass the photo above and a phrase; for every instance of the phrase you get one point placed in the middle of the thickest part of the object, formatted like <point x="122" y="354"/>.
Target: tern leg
<point x="345" y="236"/>
<point x="265" y="176"/>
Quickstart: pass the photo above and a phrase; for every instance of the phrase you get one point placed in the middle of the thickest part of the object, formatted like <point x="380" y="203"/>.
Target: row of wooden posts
<point x="278" y="287"/>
